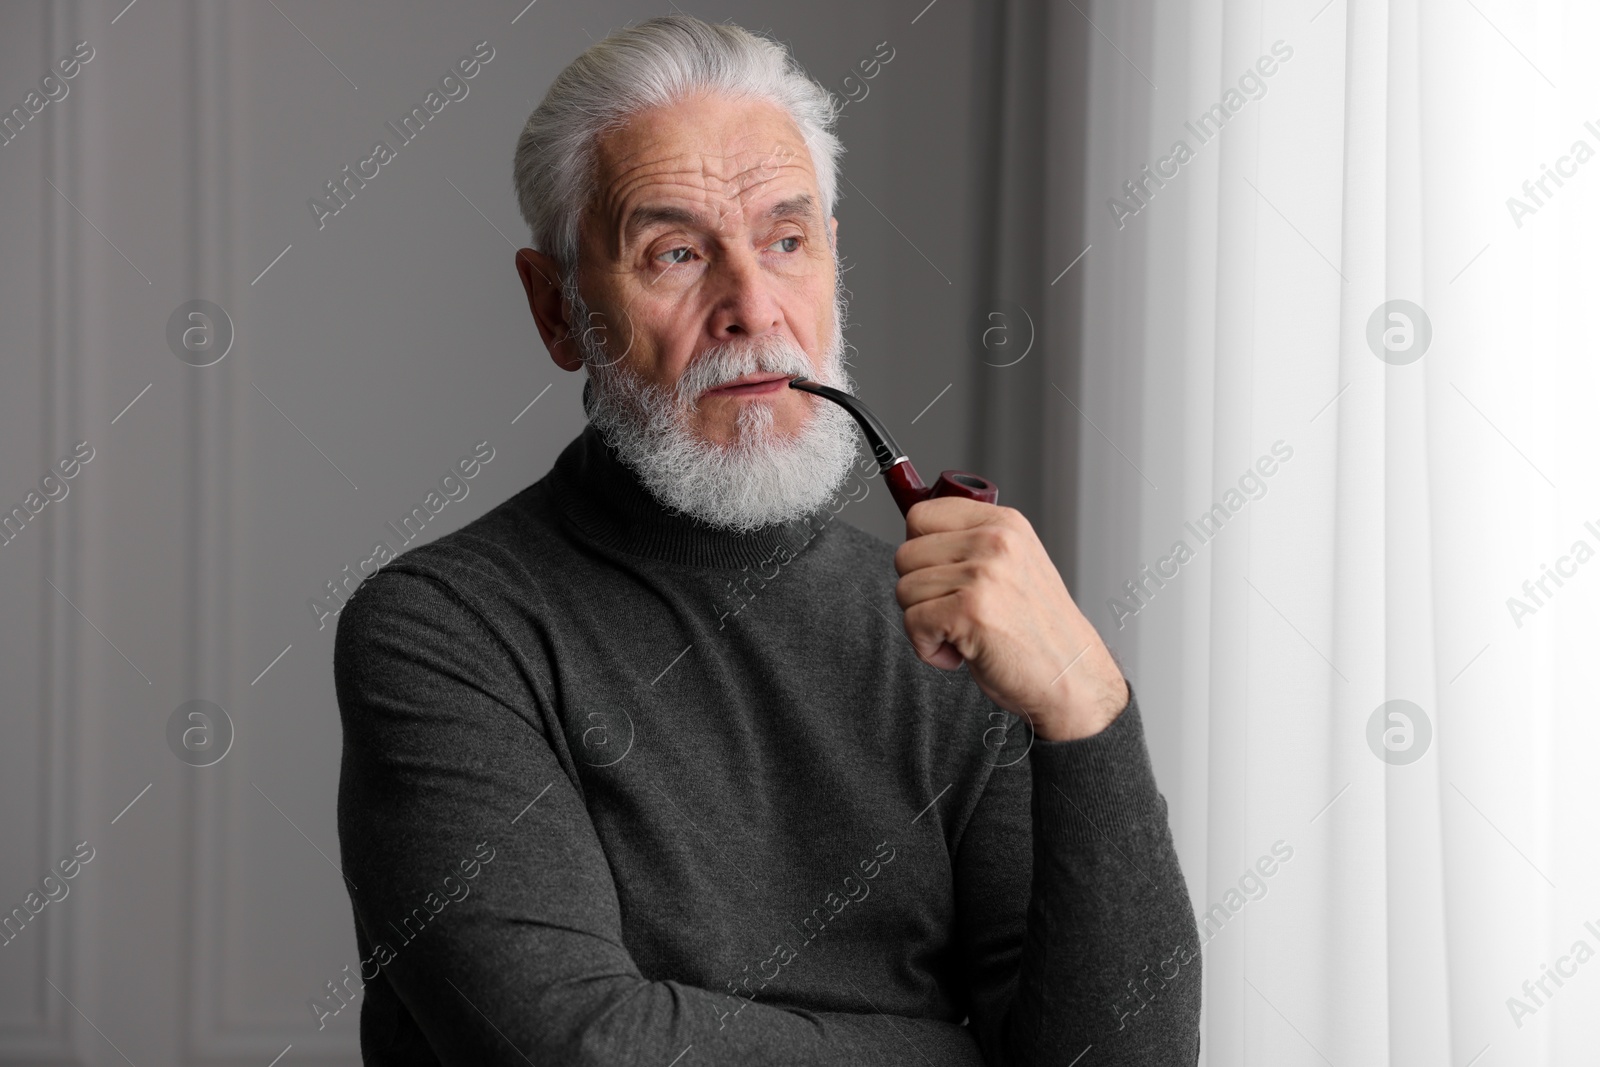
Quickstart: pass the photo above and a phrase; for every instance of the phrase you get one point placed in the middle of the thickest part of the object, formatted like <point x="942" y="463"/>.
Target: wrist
<point x="1080" y="718"/>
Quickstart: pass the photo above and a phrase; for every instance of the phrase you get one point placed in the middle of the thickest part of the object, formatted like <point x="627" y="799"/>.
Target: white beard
<point x="763" y="477"/>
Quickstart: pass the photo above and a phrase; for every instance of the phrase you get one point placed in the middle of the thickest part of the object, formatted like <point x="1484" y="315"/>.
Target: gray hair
<point x="657" y="62"/>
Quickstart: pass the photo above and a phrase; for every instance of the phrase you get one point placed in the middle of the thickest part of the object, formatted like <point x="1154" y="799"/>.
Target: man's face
<point x="706" y="232"/>
<point x="706" y="280"/>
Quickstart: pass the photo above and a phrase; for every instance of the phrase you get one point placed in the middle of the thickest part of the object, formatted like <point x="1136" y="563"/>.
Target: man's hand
<point x="975" y="576"/>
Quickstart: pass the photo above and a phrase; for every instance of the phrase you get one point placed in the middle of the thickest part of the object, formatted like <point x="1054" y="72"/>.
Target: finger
<point x="952" y="546"/>
<point x="953" y="513"/>
<point x="947" y="658"/>
<point x="943" y="620"/>
<point x="929" y="583"/>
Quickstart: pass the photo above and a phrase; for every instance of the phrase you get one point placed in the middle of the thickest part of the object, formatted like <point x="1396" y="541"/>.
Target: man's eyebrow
<point x="647" y="214"/>
<point x="802" y="206"/>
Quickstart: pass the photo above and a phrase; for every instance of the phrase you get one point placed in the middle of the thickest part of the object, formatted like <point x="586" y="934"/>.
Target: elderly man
<point x="641" y="766"/>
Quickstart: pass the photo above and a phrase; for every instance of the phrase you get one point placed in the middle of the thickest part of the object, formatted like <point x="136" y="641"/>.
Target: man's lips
<point x="752" y="385"/>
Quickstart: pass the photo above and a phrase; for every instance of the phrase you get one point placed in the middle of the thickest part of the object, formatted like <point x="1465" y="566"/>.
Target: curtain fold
<point x="1013" y="352"/>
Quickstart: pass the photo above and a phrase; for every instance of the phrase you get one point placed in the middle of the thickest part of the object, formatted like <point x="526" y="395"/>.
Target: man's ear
<point x="541" y="277"/>
<point x="833" y="233"/>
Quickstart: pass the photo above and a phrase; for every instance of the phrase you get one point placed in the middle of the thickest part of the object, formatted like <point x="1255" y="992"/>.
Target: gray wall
<point x="366" y="360"/>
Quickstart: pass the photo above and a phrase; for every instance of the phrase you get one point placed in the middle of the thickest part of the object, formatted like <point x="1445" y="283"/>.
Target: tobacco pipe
<point x="904" y="484"/>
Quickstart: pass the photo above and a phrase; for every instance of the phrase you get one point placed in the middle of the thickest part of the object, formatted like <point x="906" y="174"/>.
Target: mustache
<point x="613" y="385"/>
<point x="731" y="360"/>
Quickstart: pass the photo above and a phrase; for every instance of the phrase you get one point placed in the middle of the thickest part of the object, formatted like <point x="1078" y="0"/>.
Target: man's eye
<point x="781" y="240"/>
<point x="673" y="257"/>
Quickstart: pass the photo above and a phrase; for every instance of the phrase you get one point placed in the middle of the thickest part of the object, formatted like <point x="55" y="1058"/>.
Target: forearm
<point x="482" y="999"/>
<point x="872" y="1039"/>
<point x="655" y="1022"/>
<point x="1110" y="954"/>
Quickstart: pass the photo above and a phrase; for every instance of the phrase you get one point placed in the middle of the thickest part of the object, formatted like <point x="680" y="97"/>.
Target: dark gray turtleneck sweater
<point x="620" y="788"/>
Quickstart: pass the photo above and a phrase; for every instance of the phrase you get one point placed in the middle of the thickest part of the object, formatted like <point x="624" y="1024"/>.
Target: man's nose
<point x="746" y="303"/>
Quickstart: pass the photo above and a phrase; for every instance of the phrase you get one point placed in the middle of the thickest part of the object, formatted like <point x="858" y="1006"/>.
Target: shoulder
<point x="520" y="527"/>
<point x="439" y="588"/>
<point x="503" y="542"/>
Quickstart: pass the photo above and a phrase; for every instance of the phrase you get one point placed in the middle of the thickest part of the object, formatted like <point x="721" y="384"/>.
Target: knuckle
<point x="995" y="539"/>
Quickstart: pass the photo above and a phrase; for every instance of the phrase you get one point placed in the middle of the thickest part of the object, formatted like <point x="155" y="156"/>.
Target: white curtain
<point x="1443" y="854"/>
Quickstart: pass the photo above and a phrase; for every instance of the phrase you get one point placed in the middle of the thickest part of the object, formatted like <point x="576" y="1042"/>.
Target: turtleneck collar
<point x="603" y="499"/>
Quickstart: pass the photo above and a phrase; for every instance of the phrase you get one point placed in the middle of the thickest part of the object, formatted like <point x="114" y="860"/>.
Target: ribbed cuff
<point x="1097" y="788"/>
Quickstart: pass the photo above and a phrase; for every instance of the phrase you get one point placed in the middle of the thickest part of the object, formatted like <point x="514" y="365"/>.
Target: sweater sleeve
<point x="1093" y="950"/>
<point x="476" y="874"/>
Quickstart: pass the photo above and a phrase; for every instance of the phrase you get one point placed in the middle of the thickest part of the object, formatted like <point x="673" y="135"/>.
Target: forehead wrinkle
<point x="700" y="182"/>
<point x="633" y="163"/>
<point x="674" y="145"/>
<point x="702" y="189"/>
